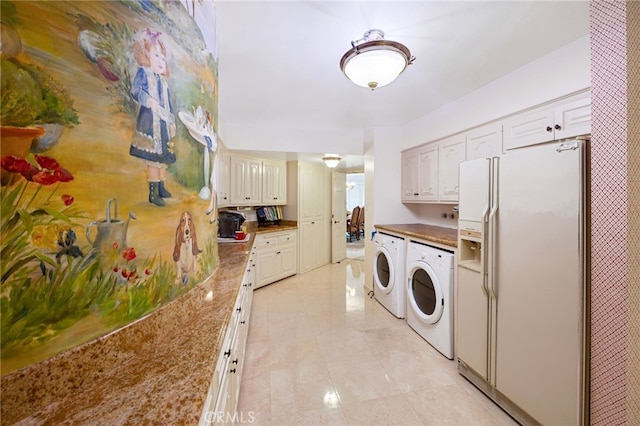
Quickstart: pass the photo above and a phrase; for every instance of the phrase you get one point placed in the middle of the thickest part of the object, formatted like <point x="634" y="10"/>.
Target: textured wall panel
<point x="633" y="90"/>
<point x="609" y="243"/>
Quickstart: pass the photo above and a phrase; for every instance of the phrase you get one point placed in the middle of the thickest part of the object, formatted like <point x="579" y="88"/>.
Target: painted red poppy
<point x="14" y="164"/>
<point x="47" y="162"/>
<point x="129" y="254"/>
<point x="44" y="177"/>
<point x="67" y="199"/>
<point x="63" y="175"/>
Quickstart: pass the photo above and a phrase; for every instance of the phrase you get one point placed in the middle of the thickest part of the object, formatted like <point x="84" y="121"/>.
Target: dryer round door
<point x="425" y="293"/>
<point x="383" y="270"/>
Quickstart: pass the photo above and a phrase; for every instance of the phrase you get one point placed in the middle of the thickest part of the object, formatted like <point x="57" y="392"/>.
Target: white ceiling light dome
<point x="373" y="62"/>
<point x="331" y="160"/>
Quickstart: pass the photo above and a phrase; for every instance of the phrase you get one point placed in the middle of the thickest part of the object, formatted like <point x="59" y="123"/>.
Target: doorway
<point x="355" y="198"/>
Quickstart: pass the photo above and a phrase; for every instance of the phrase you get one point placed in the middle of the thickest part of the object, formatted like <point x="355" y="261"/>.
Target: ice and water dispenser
<point x="470" y="246"/>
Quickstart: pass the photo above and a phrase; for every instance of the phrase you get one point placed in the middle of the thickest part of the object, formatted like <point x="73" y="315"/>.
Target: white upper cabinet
<point x="410" y="175"/>
<point x="558" y="120"/>
<point x="274" y="182"/>
<point x="420" y="174"/>
<point x="451" y="154"/>
<point x="430" y="172"/>
<point x="485" y="141"/>
<point x="251" y="181"/>
<point x="246" y="181"/>
<point x="222" y="190"/>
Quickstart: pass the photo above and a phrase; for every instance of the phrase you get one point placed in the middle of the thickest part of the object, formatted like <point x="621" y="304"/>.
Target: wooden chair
<point x="353" y="224"/>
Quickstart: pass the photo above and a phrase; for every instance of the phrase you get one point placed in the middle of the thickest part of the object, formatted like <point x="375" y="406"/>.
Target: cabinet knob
<point x="549" y="129"/>
<point x="557" y="127"/>
<point x="233" y="370"/>
<point x="239" y="309"/>
<point x="227" y="353"/>
<point x="235" y="361"/>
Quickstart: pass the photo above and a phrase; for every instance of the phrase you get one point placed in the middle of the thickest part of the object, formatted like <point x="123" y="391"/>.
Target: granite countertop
<point x="436" y="234"/>
<point x="285" y="225"/>
<point x="156" y="370"/>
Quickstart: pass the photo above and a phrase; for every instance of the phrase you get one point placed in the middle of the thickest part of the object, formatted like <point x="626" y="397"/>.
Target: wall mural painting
<point x="108" y="117"/>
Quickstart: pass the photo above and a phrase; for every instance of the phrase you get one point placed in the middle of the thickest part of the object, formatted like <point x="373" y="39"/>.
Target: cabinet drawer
<point x="267" y="240"/>
<point x="288" y="238"/>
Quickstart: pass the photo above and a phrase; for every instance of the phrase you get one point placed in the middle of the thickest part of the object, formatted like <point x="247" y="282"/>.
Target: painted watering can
<point x="110" y="231"/>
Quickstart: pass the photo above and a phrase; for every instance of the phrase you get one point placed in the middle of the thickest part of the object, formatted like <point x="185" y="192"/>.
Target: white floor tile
<point x="320" y="351"/>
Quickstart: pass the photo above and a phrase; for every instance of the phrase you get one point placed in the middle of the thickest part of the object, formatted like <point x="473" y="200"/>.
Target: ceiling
<point x="278" y="60"/>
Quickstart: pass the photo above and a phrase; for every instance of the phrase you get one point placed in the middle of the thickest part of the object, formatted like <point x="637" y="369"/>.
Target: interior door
<point x="338" y="217"/>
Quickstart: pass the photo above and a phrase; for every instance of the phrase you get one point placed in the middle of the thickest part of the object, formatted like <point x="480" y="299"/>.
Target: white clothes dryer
<point x="430" y="295"/>
<point x="388" y="273"/>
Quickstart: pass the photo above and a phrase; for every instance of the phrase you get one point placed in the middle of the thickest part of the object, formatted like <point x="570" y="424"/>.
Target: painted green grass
<point x="42" y="295"/>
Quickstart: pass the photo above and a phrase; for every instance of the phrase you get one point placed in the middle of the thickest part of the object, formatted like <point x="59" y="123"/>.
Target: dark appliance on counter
<point x="230" y="222"/>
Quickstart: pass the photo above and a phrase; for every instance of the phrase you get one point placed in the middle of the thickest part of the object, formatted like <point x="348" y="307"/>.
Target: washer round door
<point x="384" y="270"/>
<point x="425" y="293"/>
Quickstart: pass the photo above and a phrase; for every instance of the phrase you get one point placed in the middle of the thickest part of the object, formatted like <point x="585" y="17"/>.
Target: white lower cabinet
<point x="222" y="399"/>
<point x="276" y="256"/>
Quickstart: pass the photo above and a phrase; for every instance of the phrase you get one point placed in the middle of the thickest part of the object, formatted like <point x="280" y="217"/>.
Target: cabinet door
<point x="484" y="142"/>
<point x="409" y="176"/>
<point x="253" y="183"/>
<point x="286" y="261"/>
<point x="274" y="183"/>
<point x="428" y="173"/>
<point x="573" y="119"/>
<point x="246" y="181"/>
<point x="266" y="267"/>
<point x="223" y="179"/>
<point x="238" y="176"/>
<point x="451" y="154"/>
<point x="529" y="128"/>
<point x="311" y="192"/>
<point x="311" y="245"/>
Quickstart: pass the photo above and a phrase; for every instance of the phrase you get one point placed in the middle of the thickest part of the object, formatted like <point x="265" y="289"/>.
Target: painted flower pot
<point x="50" y="138"/>
<point x="16" y="141"/>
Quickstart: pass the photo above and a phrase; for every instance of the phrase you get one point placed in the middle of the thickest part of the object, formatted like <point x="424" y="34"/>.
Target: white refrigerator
<point x="521" y="289"/>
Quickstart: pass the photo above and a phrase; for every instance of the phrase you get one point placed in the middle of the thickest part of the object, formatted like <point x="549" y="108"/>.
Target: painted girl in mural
<point x="156" y="123"/>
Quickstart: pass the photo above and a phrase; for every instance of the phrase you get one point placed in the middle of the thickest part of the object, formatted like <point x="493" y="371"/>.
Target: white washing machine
<point x="388" y="273"/>
<point x="430" y="295"/>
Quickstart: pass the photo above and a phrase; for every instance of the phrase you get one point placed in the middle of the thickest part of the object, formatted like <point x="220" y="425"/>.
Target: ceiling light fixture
<point x="375" y="62"/>
<point x="331" y="160"/>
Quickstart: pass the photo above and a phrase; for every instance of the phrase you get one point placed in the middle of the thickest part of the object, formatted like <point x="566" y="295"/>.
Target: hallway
<point x="320" y="351"/>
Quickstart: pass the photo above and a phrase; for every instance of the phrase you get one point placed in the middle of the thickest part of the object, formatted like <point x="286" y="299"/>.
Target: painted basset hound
<point x="186" y="251"/>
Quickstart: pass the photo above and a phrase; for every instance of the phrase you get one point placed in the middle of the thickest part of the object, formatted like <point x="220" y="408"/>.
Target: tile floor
<point x="320" y="351"/>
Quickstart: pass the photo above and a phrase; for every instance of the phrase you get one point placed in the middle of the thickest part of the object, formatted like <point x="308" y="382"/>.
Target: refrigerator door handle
<point x="493" y="228"/>
<point x="483" y="265"/>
